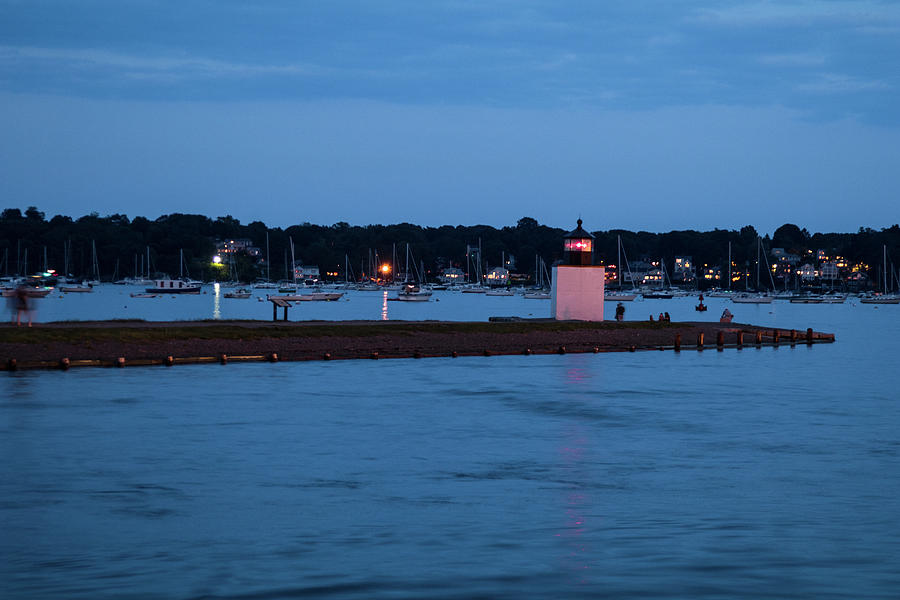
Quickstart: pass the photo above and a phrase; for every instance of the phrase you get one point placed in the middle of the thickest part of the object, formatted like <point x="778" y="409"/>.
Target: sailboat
<point x="756" y="298"/>
<point x="883" y="298"/>
<point x="291" y="289"/>
<point x="267" y="284"/>
<point x="175" y="286"/>
<point x="541" y="283"/>
<point x="619" y="295"/>
<point x="95" y="266"/>
<point x="411" y="292"/>
<point x="289" y="284"/>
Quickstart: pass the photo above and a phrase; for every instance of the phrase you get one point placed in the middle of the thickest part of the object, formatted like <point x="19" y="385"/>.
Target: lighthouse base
<point x="577" y="293"/>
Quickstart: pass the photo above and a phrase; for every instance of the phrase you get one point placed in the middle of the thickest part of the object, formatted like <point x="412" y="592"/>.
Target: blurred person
<point x="23" y="305"/>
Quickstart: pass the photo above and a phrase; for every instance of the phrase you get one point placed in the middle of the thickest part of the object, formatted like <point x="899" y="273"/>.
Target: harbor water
<point x="754" y="473"/>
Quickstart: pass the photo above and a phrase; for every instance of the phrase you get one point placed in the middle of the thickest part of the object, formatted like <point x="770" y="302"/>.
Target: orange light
<point x="385" y="268"/>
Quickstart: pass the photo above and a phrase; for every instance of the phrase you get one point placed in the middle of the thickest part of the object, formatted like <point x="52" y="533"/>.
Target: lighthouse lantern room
<point x="578" y="286"/>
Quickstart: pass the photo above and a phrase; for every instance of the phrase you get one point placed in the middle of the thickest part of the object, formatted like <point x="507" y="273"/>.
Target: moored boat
<point x="412" y="293"/>
<point x="880" y="299"/>
<point x="751" y="299"/>
<point x="537" y="295"/>
<point x="174" y="286"/>
<point x="619" y="297"/>
<point x="30" y="292"/>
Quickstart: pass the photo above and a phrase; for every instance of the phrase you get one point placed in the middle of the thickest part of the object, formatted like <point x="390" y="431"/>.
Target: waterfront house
<point x="497" y="277"/>
<point x="452" y="276"/>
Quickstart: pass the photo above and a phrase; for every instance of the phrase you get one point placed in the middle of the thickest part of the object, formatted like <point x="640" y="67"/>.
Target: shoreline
<point x="62" y="345"/>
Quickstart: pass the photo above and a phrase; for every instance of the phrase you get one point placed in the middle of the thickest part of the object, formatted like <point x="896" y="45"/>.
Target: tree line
<point x="121" y="245"/>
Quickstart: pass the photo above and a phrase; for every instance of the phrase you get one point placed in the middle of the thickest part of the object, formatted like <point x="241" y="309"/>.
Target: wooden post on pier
<point x="809" y="335"/>
<point x="720" y="340"/>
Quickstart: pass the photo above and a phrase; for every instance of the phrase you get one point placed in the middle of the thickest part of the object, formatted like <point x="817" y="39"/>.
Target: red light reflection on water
<point x="575" y="467"/>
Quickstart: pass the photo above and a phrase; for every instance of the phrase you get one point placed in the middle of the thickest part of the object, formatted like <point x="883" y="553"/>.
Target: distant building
<point x="781" y="256"/>
<point x="807" y="272"/>
<point x="711" y="274"/>
<point x="829" y="271"/>
<point x="238" y="246"/>
<point x="307" y="272"/>
<point x="612" y="273"/>
<point x="497" y="277"/>
<point x="636" y="272"/>
<point x="684" y="270"/>
<point x="452" y="275"/>
<point x="653" y="277"/>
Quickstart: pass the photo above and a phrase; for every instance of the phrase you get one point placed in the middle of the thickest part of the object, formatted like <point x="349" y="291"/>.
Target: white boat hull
<point x="881" y="300"/>
<point x="412" y="297"/>
<point x="752" y="300"/>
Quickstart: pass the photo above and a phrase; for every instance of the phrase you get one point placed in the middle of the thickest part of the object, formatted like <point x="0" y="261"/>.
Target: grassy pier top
<point x="139" y="330"/>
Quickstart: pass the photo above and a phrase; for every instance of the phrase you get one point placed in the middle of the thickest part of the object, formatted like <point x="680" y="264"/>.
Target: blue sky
<point x="639" y="115"/>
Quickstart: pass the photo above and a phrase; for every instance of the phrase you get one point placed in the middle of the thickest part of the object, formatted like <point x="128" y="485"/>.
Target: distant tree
<point x="527" y="223"/>
<point x="33" y="214"/>
<point x="790" y="237"/>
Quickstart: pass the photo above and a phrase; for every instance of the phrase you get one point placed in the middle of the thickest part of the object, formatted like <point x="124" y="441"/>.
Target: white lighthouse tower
<point x="578" y="286"/>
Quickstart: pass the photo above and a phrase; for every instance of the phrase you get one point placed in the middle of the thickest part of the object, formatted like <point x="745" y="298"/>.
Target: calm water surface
<point x="771" y="473"/>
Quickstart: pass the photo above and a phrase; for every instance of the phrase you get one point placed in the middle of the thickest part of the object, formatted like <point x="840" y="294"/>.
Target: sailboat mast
<point x="268" y="264"/>
<point x="758" y="242"/>
<point x="729" y="265"/>
<point x="619" y="258"/>
<point x="293" y="265"/>
<point x="884" y="249"/>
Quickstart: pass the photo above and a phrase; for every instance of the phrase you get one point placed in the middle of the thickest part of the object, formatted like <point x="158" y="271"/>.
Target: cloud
<point x="837" y="83"/>
<point x="144" y="66"/>
<point x="799" y="13"/>
<point x="800" y="59"/>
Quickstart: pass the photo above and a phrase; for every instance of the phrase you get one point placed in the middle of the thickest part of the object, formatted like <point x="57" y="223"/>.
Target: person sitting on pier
<point x="620" y="312"/>
<point x="668" y="318"/>
<point x="726" y="316"/>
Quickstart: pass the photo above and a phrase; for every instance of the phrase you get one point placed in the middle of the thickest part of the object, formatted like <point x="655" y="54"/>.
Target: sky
<point x="631" y="114"/>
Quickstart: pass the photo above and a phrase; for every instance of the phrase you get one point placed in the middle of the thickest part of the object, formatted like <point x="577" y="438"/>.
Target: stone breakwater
<point x="138" y="343"/>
